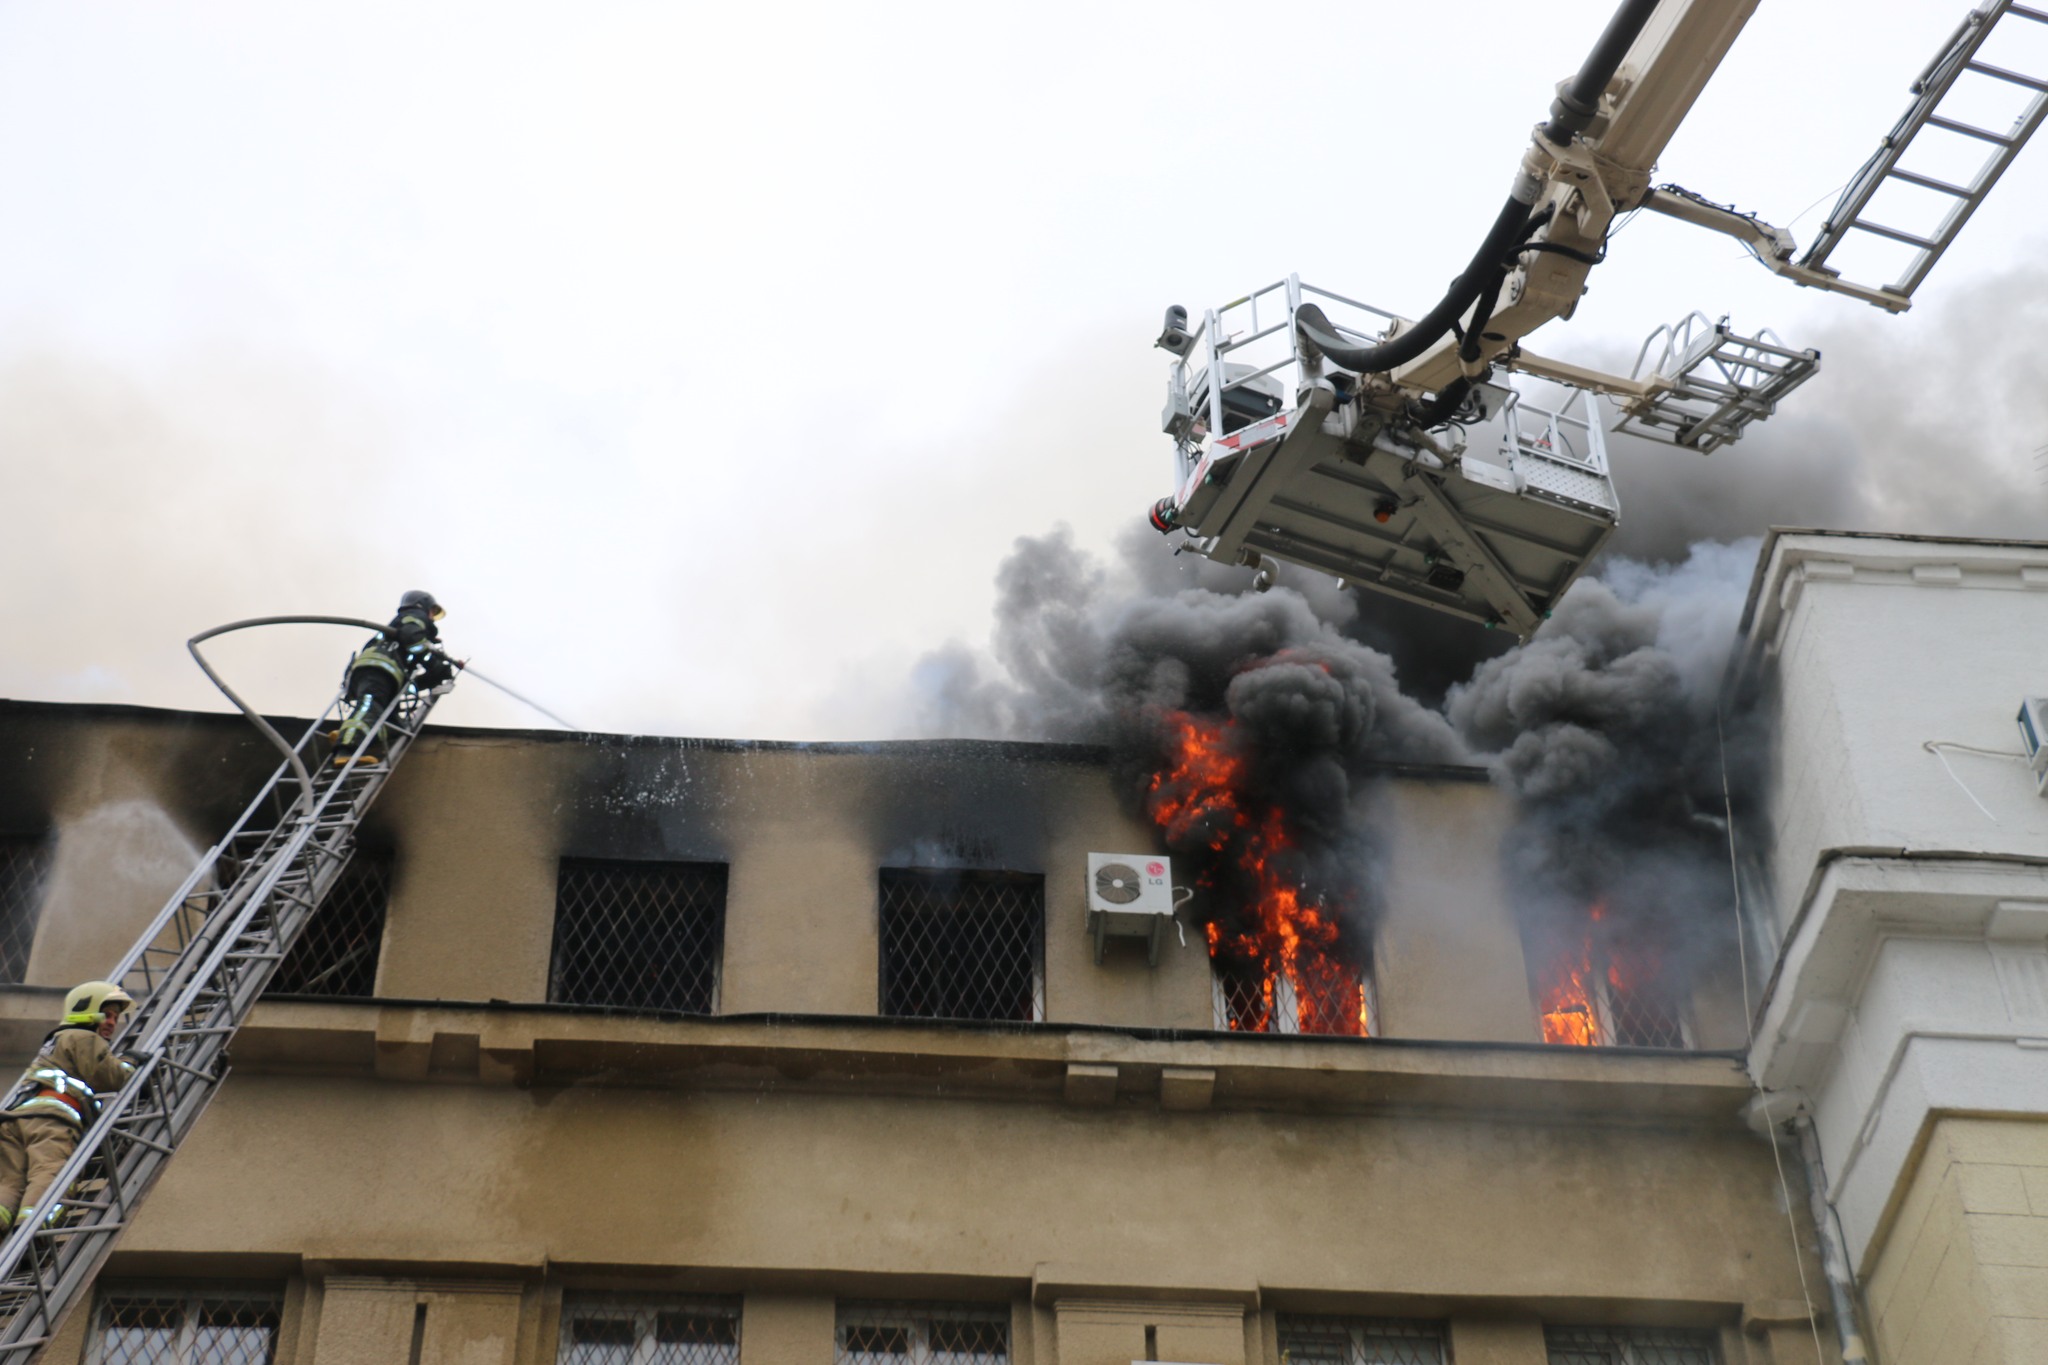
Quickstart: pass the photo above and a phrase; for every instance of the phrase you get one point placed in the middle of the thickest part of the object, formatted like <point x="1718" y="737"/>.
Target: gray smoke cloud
<point x="1604" y="726"/>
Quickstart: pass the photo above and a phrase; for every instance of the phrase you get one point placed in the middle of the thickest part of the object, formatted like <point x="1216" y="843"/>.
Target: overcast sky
<point x="705" y="360"/>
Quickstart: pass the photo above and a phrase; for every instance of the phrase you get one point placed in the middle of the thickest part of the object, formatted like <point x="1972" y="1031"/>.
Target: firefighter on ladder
<point x="406" y="652"/>
<point x="58" y="1096"/>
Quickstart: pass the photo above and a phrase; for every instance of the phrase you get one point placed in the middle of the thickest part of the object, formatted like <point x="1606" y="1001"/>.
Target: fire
<point x="1568" y="1015"/>
<point x="1287" y="959"/>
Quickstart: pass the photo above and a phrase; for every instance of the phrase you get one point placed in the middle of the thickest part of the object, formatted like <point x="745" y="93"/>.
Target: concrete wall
<point x="478" y="822"/>
<point x="428" y="1174"/>
<point x="1963" y="1278"/>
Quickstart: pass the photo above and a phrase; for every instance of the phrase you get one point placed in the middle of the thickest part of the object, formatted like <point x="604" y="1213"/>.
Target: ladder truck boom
<point x="196" y="973"/>
<point x="1398" y="455"/>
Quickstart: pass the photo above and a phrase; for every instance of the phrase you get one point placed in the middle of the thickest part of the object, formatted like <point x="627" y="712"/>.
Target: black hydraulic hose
<point x="1576" y="104"/>
<point x="1573" y="109"/>
<point x="1508" y="228"/>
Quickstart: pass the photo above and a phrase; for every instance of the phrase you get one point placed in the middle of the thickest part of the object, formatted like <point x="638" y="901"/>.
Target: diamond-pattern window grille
<point x="1629" y="1346"/>
<point x="1610" y="995"/>
<point x="1321" y="996"/>
<point x="182" y="1327"/>
<point x="962" y="945"/>
<point x="24" y="867"/>
<point x="616" y="1329"/>
<point x="923" y="1334"/>
<point x="638" y="936"/>
<point x="336" y="954"/>
<point x="1306" y="1340"/>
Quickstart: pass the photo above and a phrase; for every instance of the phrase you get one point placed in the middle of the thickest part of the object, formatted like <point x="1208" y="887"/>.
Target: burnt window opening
<point x="922" y="1334"/>
<point x="185" y="1327"/>
<point x="24" y="869"/>
<point x="962" y="945"/>
<point x="617" y="1329"/>
<point x="1608" y="995"/>
<point x="638" y="936"/>
<point x="1630" y="1346"/>
<point x="1316" y="1340"/>
<point x="1319" y="995"/>
<point x="336" y="955"/>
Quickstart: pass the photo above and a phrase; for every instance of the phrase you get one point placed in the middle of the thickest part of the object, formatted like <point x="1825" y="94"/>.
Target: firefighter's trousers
<point x="32" y="1150"/>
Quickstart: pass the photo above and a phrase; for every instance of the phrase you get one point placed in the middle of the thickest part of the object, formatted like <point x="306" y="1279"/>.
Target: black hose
<point x="1576" y="104"/>
<point x="1569" y="114"/>
<point x="1514" y="221"/>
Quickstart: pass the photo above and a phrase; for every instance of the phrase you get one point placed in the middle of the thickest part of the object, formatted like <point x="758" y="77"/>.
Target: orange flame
<point x="1289" y="940"/>
<point x="1568" y="1015"/>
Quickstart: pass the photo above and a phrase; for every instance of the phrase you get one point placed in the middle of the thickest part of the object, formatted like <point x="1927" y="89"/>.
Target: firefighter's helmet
<point x="423" y="600"/>
<point x="85" y="1004"/>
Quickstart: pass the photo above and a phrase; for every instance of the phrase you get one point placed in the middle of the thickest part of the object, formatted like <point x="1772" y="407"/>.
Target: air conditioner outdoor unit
<point x="1130" y="895"/>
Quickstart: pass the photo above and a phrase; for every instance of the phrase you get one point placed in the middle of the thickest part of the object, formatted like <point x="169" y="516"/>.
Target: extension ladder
<point x="195" y="973"/>
<point x="1957" y="60"/>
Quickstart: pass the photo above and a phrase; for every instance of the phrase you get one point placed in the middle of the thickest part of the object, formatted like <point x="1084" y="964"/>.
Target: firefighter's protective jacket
<point x="407" y="644"/>
<point x="68" y="1077"/>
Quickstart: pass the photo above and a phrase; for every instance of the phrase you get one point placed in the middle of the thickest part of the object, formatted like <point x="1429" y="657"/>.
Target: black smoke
<point x="1125" y="654"/>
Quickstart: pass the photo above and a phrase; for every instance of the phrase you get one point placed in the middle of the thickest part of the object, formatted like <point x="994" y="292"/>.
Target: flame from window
<point x="1290" y="946"/>
<point x="1568" y="1013"/>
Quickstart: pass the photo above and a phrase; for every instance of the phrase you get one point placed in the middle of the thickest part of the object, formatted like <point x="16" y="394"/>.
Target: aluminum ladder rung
<point x="1969" y="130"/>
<point x="1999" y="73"/>
<point x="1929" y="182"/>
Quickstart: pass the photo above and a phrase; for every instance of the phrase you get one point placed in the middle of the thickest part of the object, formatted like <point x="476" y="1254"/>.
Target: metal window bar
<point x="638" y="935"/>
<point x="1316" y="1340"/>
<point x="1944" y="75"/>
<point x="922" y="1334"/>
<point x="962" y="944"/>
<point x="1611" y="995"/>
<point x="337" y="954"/>
<point x="1630" y="1346"/>
<point x="1322" y="996"/>
<point x="182" y="1327"/>
<point x="24" y="868"/>
<point x="196" y="972"/>
<point x="618" y="1329"/>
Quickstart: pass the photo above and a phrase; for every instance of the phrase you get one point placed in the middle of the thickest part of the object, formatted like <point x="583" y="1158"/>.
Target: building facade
<point x="1907" y="1013"/>
<point x="613" y="1049"/>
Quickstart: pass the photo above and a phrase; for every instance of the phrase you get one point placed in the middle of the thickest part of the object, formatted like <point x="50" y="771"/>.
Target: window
<point x="336" y="954"/>
<point x="1359" y="1341"/>
<point x="24" y="863"/>
<point x="638" y="936"/>
<point x="1609" y="995"/>
<point x="923" y="1334"/>
<point x="181" y="1327"/>
<point x="611" y="1329"/>
<point x="962" y="945"/>
<point x="1629" y="1346"/>
<point x="1323" y="995"/>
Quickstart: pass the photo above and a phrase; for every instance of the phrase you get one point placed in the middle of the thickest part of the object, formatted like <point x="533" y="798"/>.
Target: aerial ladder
<point x="195" y="973"/>
<point x="1397" y="454"/>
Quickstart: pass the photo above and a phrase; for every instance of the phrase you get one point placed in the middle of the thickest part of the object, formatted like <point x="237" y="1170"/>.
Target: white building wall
<point x="1913" y="970"/>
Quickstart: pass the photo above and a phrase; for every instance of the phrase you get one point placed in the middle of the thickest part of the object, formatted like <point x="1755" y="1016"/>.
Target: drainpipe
<point x="1834" y="1254"/>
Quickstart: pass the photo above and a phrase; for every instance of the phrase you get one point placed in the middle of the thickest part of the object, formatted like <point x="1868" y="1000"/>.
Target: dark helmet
<point x="422" y="600"/>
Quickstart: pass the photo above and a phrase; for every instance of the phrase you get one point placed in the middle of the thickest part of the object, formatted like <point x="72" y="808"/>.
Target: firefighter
<point x="58" y="1096"/>
<point x="408" y="651"/>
